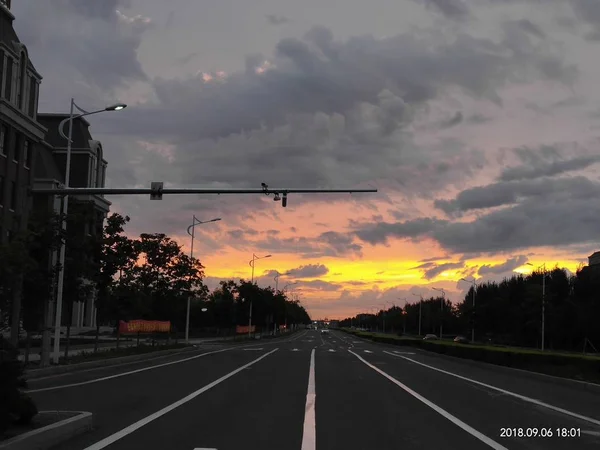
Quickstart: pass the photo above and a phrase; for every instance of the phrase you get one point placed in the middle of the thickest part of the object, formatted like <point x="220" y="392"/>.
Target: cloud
<point x="549" y="212"/>
<point x="320" y="285"/>
<point x="441" y="268"/>
<point x="511" y="192"/>
<point x="98" y="42"/>
<point x="328" y="112"/>
<point x="589" y="12"/>
<point x="452" y="9"/>
<point x="529" y="172"/>
<point x="456" y="119"/>
<point x="507" y="266"/>
<point x="276" y="20"/>
<point x="308" y="271"/>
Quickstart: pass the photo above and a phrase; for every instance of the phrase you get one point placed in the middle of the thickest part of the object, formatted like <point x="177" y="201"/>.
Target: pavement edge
<point x="102" y="362"/>
<point x="51" y="435"/>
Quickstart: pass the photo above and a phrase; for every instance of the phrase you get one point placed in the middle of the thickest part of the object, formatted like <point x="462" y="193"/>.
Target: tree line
<point x="148" y="277"/>
<point x="508" y="312"/>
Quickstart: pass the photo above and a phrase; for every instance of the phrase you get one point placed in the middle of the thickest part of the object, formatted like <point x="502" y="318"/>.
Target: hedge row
<point x="578" y="367"/>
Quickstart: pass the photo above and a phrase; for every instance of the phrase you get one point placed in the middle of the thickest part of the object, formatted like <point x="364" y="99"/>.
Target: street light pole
<point x="252" y="262"/>
<point x="65" y="211"/>
<point x="443" y="299"/>
<point x="420" y="310"/>
<point x="192" y="227"/>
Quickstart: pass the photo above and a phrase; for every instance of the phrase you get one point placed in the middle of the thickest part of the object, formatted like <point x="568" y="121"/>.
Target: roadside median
<point x="564" y="365"/>
<point x="110" y="357"/>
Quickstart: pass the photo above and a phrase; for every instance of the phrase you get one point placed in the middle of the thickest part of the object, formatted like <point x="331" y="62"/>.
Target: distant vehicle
<point x="461" y="340"/>
<point x="430" y="337"/>
<point x="325" y="330"/>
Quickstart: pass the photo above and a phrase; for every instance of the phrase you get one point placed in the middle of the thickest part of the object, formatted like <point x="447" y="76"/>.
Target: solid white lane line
<point x="455" y="420"/>
<point x="331" y="350"/>
<point x="143" y="369"/>
<point x="504" y="391"/>
<point x="146" y="420"/>
<point x="368" y="351"/>
<point x="252" y="349"/>
<point x="309" y="435"/>
<point x="118" y="375"/>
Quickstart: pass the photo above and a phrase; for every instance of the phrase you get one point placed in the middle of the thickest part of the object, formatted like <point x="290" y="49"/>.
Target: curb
<point x="106" y="362"/>
<point x="51" y="435"/>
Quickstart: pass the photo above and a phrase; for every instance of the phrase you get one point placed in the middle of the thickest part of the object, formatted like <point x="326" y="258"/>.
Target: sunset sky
<point x="479" y="126"/>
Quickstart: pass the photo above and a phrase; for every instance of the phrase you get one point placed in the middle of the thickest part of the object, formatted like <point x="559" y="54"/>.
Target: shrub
<point x="16" y="408"/>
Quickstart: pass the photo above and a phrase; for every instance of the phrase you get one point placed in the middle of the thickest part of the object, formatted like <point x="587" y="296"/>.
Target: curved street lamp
<point x="192" y="227"/>
<point x="65" y="211"/>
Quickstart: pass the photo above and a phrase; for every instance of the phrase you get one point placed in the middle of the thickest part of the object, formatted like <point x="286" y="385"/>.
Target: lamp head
<point x="116" y="107"/>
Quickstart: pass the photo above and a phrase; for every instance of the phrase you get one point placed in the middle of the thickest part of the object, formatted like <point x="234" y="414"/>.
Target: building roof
<point x="8" y="35"/>
<point x="595" y="254"/>
<point x="45" y="165"/>
<point x="81" y="133"/>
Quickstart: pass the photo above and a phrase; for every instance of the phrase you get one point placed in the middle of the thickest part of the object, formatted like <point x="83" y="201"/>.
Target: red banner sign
<point x="244" y="329"/>
<point x="144" y="326"/>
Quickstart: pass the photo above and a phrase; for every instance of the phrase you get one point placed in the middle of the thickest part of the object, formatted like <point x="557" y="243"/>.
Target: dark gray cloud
<point x="328" y="244"/>
<point x="274" y="19"/>
<point x="512" y="192"/>
<point x="329" y="112"/>
<point x="478" y="119"/>
<point x="378" y="233"/>
<point x="507" y="266"/>
<point x="456" y="119"/>
<point x="438" y="269"/>
<point x="549" y="169"/>
<point x="98" y="43"/>
<point x="589" y="12"/>
<point x="452" y="9"/>
<point x="553" y="213"/>
<point x="308" y="271"/>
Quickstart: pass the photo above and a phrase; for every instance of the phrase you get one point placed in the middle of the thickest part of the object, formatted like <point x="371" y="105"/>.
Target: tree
<point x="164" y="279"/>
<point x="114" y="252"/>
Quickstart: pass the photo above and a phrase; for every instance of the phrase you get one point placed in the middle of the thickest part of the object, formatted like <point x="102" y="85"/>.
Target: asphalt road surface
<point x="330" y="391"/>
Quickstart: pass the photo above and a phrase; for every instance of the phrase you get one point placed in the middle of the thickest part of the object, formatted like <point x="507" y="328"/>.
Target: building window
<point x="93" y="171"/>
<point x="32" y="97"/>
<point x="8" y="81"/>
<point x="22" y="81"/>
<point x="17" y="153"/>
<point x="27" y="154"/>
<point x="12" y="201"/>
<point x="1" y="71"/>
<point x="3" y="140"/>
<point x="1" y="192"/>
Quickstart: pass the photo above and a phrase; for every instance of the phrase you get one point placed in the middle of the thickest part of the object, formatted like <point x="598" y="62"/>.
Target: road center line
<point x="455" y="420"/>
<point x="143" y="369"/>
<point x="309" y="435"/>
<point x="513" y="394"/>
<point x="146" y="420"/>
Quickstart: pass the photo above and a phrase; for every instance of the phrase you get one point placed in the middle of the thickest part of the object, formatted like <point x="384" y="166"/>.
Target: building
<point x="594" y="259"/>
<point x="20" y="135"/>
<point x="88" y="169"/>
<point x="20" y="131"/>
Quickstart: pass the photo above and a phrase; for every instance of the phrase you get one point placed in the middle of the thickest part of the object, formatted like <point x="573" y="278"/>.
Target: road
<point x="313" y="391"/>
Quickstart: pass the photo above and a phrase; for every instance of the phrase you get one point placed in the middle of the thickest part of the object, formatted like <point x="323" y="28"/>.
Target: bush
<point x="16" y="408"/>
